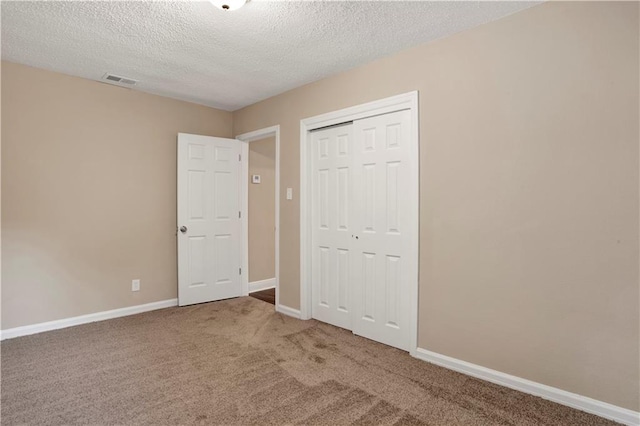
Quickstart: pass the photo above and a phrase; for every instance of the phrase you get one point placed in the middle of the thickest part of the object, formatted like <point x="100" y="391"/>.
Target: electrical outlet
<point x="135" y="285"/>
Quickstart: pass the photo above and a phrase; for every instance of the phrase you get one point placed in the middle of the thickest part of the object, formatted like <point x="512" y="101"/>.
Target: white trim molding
<point x="262" y="285"/>
<point x="405" y="101"/>
<point x="285" y="310"/>
<point x="247" y="138"/>
<point x="85" y="319"/>
<point x="579" y="402"/>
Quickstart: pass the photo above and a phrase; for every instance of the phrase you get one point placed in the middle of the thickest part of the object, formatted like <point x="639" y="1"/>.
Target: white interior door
<point x="384" y="206"/>
<point x="361" y="208"/>
<point x="332" y="281"/>
<point x="209" y="228"/>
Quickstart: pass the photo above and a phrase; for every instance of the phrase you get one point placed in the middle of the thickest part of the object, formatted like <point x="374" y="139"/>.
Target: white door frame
<point x="247" y="138"/>
<point x="406" y="101"/>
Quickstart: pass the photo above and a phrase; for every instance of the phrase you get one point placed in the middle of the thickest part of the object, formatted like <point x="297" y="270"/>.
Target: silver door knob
<point x="183" y="229"/>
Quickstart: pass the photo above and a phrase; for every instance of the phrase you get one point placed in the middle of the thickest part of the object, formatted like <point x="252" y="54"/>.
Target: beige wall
<point x="88" y="193"/>
<point x="262" y="210"/>
<point x="529" y="191"/>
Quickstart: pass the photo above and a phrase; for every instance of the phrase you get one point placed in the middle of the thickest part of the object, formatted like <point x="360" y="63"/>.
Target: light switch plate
<point x="289" y="193"/>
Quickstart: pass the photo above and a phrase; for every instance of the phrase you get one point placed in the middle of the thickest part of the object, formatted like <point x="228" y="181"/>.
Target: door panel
<point x="380" y="172"/>
<point x="331" y="237"/>
<point x="209" y="254"/>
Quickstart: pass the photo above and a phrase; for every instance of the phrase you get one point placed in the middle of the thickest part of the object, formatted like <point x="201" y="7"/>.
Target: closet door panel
<point x="332" y="213"/>
<point x="380" y="173"/>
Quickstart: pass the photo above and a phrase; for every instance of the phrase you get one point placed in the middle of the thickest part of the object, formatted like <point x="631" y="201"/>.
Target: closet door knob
<point x="183" y="229"/>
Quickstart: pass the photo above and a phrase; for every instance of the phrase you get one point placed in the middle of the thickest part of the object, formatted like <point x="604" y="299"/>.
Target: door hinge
<point x="239" y="271"/>
<point x="239" y="215"/>
<point x="239" y="157"/>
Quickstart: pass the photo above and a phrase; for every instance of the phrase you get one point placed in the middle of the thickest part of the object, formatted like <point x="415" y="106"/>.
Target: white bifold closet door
<point x="360" y="246"/>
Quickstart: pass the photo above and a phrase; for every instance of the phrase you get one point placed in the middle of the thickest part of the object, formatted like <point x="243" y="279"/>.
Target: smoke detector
<point x="110" y="78"/>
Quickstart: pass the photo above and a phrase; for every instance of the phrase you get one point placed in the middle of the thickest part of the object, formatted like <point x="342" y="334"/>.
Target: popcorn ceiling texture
<point x="195" y="52"/>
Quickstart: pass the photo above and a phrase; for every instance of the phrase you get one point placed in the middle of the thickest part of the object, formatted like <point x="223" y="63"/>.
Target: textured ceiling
<point x="226" y="59"/>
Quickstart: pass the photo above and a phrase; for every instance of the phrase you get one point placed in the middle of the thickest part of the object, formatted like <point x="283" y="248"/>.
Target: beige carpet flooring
<point x="239" y="362"/>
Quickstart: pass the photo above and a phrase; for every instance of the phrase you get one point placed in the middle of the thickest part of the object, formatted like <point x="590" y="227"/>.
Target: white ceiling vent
<point x="117" y="79"/>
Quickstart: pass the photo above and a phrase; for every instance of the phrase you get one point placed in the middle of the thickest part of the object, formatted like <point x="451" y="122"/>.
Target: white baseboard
<point x="295" y="313"/>
<point x="579" y="402"/>
<point x="262" y="285"/>
<point x="84" y="319"/>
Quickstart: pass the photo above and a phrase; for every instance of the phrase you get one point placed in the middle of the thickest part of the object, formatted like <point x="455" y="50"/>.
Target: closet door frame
<point x="405" y="101"/>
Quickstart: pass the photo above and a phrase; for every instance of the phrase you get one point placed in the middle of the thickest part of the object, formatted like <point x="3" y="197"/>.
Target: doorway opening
<point x="261" y="213"/>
